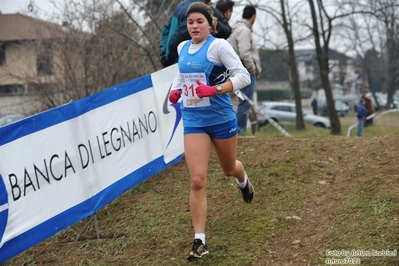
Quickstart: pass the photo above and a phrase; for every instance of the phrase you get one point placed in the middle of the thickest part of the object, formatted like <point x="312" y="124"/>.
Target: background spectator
<point x="361" y="116"/>
<point x="243" y="44"/>
<point x="225" y="7"/>
<point x="369" y="108"/>
<point x="314" y="105"/>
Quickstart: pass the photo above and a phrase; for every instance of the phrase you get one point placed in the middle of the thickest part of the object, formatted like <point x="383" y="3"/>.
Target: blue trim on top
<point x="71" y="110"/>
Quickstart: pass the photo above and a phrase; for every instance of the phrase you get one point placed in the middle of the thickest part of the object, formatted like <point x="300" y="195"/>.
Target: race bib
<point x="189" y="96"/>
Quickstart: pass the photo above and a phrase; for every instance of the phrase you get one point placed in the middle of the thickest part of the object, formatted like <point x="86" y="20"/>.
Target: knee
<point x="197" y="183"/>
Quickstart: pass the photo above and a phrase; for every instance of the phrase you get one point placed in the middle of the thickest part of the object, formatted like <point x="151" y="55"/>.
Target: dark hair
<point x="248" y="12"/>
<point x="224" y="5"/>
<point x="205" y="10"/>
<point x="202" y="11"/>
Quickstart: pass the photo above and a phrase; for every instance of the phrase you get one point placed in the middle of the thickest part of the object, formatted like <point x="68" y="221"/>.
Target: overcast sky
<point x="47" y="6"/>
<point x="21" y="6"/>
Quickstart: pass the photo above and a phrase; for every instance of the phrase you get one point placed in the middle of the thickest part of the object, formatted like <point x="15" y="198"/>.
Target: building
<point x="32" y="62"/>
<point x="344" y="73"/>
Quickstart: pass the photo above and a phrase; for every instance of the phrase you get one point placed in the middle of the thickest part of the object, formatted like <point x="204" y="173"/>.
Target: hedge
<point x="280" y="95"/>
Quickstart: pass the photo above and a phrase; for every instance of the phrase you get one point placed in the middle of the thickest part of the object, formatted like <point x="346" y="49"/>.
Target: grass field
<point x="316" y="194"/>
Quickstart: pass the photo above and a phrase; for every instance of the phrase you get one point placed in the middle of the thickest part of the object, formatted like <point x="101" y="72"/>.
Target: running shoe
<point x="248" y="192"/>
<point x="198" y="250"/>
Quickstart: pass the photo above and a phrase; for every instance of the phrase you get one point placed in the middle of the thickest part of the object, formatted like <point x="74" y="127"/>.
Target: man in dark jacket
<point x="314" y="105"/>
<point x="226" y="7"/>
<point x="361" y="116"/>
<point x="176" y="31"/>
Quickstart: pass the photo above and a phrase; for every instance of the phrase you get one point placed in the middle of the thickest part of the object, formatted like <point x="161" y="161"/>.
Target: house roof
<point x="17" y="27"/>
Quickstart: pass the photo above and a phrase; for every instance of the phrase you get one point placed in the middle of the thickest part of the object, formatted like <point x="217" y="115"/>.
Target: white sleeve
<point x="176" y="85"/>
<point x="221" y="51"/>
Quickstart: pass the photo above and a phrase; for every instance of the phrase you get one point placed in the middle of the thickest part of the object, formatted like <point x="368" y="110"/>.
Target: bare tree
<point x="91" y="62"/>
<point x="362" y="33"/>
<point x="387" y="14"/>
<point x="284" y="17"/>
<point x="322" y="30"/>
<point x="374" y="31"/>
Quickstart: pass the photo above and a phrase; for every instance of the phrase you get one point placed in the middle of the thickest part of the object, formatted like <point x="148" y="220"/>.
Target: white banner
<point x="171" y="124"/>
<point x="60" y="166"/>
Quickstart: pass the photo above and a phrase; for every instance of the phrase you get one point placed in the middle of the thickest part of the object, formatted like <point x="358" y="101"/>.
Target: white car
<point x="286" y="112"/>
<point x="341" y="107"/>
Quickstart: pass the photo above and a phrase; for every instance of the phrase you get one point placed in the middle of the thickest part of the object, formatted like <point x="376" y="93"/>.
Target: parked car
<point x="286" y="112"/>
<point x="341" y="107"/>
<point x="7" y="119"/>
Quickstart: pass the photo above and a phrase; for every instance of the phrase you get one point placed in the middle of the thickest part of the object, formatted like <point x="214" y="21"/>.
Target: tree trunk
<point x="294" y="77"/>
<point x="300" y="124"/>
<point x="393" y="71"/>
<point x="322" y="59"/>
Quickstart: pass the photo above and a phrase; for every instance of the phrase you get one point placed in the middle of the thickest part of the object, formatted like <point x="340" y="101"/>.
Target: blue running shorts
<point x="222" y="131"/>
